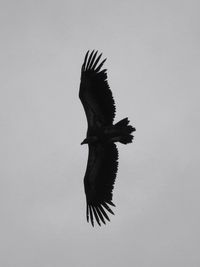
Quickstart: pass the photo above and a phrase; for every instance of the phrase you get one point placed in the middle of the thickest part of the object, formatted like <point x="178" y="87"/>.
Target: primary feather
<point x="102" y="164"/>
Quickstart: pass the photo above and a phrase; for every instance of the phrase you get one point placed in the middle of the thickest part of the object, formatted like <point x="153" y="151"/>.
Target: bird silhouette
<point x="102" y="134"/>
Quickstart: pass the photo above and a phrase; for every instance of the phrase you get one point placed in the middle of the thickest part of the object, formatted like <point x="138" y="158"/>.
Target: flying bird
<point x="101" y="137"/>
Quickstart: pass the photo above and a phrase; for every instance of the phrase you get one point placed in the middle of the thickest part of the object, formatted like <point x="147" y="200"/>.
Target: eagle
<point x="102" y="134"/>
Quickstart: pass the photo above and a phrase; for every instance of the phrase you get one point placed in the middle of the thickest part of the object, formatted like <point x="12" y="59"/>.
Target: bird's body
<point x="101" y="137"/>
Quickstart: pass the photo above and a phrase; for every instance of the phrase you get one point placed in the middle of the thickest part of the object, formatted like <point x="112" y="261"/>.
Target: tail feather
<point x="125" y="139"/>
<point x="123" y="122"/>
<point x="124" y="130"/>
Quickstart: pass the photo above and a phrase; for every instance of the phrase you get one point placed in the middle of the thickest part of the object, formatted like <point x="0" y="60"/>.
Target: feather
<point x="96" y="216"/>
<point x="104" y="213"/>
<point x="85" y="60"/>
<point x="87" y="213"/>
<point x="99" y="67"/>
<point x="96" y="62"/>
<point x="91" y="215"/>
<point x="107" y="207"/>
<point x="89" y="60"/>
<point x="92" y="60"/>
<point x="100" y="214"/>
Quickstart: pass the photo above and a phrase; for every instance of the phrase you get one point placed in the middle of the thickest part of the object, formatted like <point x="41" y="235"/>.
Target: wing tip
<point x="91" y="60"/>
<point x="99" y="212"/>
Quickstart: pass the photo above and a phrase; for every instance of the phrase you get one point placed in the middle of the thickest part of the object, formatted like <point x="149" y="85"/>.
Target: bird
<point x="101" y="138"/>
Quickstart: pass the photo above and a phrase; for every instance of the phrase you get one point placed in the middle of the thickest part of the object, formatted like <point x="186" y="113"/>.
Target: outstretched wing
<point x="95" y="93"/>
<point x="99" y="181"/>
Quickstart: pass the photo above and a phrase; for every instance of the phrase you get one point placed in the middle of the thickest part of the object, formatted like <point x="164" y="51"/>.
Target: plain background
<point x="153" y="62"/>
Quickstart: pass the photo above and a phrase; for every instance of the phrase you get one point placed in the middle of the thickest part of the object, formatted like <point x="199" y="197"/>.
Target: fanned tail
<point x="124" y="130"/>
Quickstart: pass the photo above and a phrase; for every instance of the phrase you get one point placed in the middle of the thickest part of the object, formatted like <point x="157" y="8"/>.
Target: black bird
<point x="102" y="134"/>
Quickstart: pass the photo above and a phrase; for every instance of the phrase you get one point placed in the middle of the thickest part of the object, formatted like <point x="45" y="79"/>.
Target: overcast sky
<point x="153" y="61"/>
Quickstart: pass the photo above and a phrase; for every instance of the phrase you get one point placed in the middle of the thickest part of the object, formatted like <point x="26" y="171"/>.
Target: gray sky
<point x="153" y="62"/>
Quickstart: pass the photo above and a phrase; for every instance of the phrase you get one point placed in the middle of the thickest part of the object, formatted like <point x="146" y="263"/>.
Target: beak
<point x="84" y="142"/>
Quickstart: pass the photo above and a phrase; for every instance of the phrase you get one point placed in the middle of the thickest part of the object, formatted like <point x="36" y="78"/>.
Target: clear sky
<point x="153" y="62"/>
